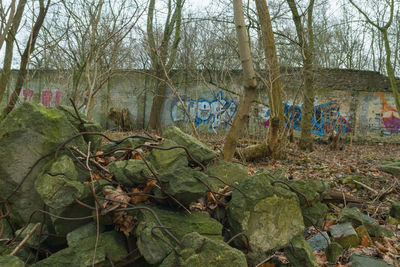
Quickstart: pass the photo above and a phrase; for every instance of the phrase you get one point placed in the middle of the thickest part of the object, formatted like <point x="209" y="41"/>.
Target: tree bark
<point x="5" y="75"/>
<point x="25" y="57"/>
<point x="250" y="83"/>
<point x="163" y="56"/>
<point x="306" y="42"/>
<point x="275" y="138"/>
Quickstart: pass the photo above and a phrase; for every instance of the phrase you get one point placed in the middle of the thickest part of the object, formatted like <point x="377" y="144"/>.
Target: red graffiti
<point x="47" y="96"/>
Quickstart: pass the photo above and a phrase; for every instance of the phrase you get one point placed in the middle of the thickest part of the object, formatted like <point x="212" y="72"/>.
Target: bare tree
<point x="162" y="53"/>
<point x="250" y="83"/>
<point x="383" y="29"/>
<point x="30" y="46"/>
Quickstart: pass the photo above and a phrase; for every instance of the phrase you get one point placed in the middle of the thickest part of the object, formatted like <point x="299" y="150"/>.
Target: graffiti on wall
<point x="48" y="97"/>
<point x="326" y="118"/>
<point x="215" y="113"/>
<point x="389" y="115"/>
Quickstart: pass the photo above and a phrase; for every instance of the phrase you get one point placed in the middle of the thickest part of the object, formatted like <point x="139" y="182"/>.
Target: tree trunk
<point x="250" y="83"/>
<point x="306" y="42"/>
<point x="5" y="75"/>
<point x="25" y="57"/>
<point x="156" y="107"/>
<point x="275" y="139"/>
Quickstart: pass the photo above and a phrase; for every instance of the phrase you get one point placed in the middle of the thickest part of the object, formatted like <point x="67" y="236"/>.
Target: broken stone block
<point x="345" y="235"/>
<point x="269" y="216"/>
<point x="150" y="242"/>
<point x="186" y="184"/>
<point x="299" y="253"/>
<point x="230" y="173"/>
<point x="82" y="232"/>
<point x="333" y="251"/>
<point x="165" y="161"/>
<point x="363" y="235"/>
<point x="129" y="172"/>
<point x="314" y="215"/>
<point x="365" y="261"/>
<point x="357" y="218"/>
<point x="199" y="151"/>
<point x="393" y="168"/>
<point x="395" y="210"/>
<point x="11" y="261"/>
<point x="391" y="220"/>
<point x="200" y="251"/>
<point x="110" y="244"/>
<point x="319" y="242"/>
<point x="180" y="223"/>
<point x="313" y="190"/>
<point x="58" y="186"/>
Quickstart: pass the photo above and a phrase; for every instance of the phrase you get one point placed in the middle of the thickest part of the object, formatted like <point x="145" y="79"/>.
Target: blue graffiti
<point x="326" y="118"/>
<point x="215" y="113"/>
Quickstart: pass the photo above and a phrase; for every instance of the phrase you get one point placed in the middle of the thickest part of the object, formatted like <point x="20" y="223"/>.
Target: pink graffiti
<point x="58" y="98"/>
<point x="47" y="96"/>
<point x="27" y="94"/>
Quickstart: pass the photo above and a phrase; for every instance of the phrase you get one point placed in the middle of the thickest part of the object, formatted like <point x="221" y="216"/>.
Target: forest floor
<point x="356" y="179"/>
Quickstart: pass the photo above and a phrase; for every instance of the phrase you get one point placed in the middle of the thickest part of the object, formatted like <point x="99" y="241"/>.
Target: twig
<point x="98" y="165"/>
<point x="25" y="239"/>
<point x="367" y="187"/>
<point x="76" y="111"/>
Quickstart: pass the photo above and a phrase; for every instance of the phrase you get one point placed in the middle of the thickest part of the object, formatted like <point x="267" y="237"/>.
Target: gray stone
<point x="300" y="254"/>
<point x="165" y="161"/>
<point x="33" y="240"/>
<point x="200" y="251"/>
<point x="319" y="242"/>
<point x="345" y="235"/>
<point x="365" y="261"/>
<point x="180" y="223"/>
<point x="11" y="261"/>
<point x="28" y="133"/>
<point x="185" y="184"/>
<point x="86" y="125"/>
<point x="395" y="210"/>
<point x="110" y="244"/>
<point x="333" y="251"/>
<point x="150" y="242"/>
<point x="129" y="172"/>
<point x="82" y="232"/>
<point x="199" y="151"/>
<point x="393" y="168"/>
<point x="269" y="216"/>
<point x="314" y="215"/>
<point x="230" y="173"/>
<point x="313" y="190"/>
<point x="357" y="218"/>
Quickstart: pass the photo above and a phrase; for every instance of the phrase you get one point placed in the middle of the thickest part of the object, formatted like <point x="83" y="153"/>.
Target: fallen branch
<point x="25" y="239"/>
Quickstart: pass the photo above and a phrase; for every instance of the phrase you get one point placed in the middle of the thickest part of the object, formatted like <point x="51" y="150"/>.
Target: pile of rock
<point x="151" y="207"/>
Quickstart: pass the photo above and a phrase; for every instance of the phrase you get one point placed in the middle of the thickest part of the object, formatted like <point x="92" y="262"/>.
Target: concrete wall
<point x="357" y="102"/>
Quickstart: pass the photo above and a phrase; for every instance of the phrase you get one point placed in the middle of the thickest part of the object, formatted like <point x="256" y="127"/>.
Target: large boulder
<point x="313" y="190"/>
<point x="186" y="185"/>
<point x="199" y="251"/>
<point x="230" y="173"/>
<point x="357" y="218"/>
<point x="165" y="161"/>
<point x="27" y="134"/>
<point x="269" y="216"/>
<point x="199" y="151"/>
